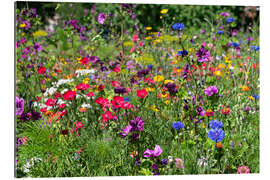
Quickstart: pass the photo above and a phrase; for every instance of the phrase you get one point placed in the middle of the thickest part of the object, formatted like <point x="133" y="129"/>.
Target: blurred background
<point x="145" y="14"/>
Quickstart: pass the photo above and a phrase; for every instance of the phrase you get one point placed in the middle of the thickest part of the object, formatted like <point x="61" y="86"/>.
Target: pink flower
<point x="179" y="163"/>
<point x="243" y="170"/>
<point x="153" y="153"/>
<point x="142" y="93"/>
<point x="135" y="38"/>
<point x="102" y="18"/>
<point x="132" y="49"/>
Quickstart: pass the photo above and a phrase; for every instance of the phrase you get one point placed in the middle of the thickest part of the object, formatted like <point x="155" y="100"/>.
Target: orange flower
<point x="245" y="88"/>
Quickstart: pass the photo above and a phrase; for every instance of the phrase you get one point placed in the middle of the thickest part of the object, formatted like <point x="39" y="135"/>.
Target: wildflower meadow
<point x="119" y="90"/>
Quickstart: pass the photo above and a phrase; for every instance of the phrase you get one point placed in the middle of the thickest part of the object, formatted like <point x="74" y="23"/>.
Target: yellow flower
<point x="62" y="59"/>
<point x="154" y="108"/>
<point x="148" y="38"/>
<point x="40" y="33"/>
<point x="164" y="11"/>
<point x="167" y="102"/>
<point x="128" y="43"/>
<point x="203" y="126"/>
<point x="22" y="25"/>
<point x="85" y="80"/>
<point x="227" y="60"/>
<point x="168" y="81"/>
<point x="148" y="28"/>
<point x="164" y="95"/>
<point x="158" y="78"/>
<point x="79" y="58"/>
<point x="23" y="33"/>
<point x="251" y="98"/>
<point x="149" y="89"/>
<point x="54" y="74"/>
<point x="218" y="73"/>
<point x="221" y="66"/>
<point x="245" y="88"/>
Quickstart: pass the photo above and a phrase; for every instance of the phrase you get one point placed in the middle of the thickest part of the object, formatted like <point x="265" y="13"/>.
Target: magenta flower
<point x="243" y="170"/>
<point x="19" y="105"/>
<point x="211" y="90"/>
<point x="203" y="55"/>
<point x="102" y="18"/>
<point x="126" y="130"/>
<point x="225" y="14"/>
<point x="153" y="153"/>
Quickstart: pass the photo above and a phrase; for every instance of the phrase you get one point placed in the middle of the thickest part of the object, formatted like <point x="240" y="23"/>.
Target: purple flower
<point x="200" y="111"/>
<point x="155" y="167"/>
<point x="225" y="14"/>
<point x="38" y="47"/>
<point x="164" y="161"/>
<point x="126" y="130"/>
<point x="19" y="105"/>
<point x="153" y="153"/>
<point x="203" y="54"/>
<point x="211" y="90"/>
<point x="102" y="18"/>
<point x="178" y="125"/>
<point x="137" y="124"/>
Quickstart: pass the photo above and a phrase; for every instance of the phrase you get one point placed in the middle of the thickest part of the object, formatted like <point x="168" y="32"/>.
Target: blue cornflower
<point x="126" y="99"/>
<point x="178" y="26"/>
<point x="182" y="53"/>
<point x="256" y="96"/>
<point x="215" y="124"/>
<point x="255" y="48"/>
<point x="150" y="66"/>
<point x="178" y="125"/>
<point x="229" y="20"/>
<point x="216" y="135"/>
<point x="220" y="32"/>
<point x="234" y="44"/>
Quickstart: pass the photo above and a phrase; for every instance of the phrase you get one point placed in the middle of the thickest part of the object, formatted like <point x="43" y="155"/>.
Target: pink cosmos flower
<point x="243" y="170"/>
<point x="102" y="18"/>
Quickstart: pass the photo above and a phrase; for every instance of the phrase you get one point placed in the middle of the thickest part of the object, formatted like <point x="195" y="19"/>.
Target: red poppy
<point x="43" y="110"/>
<point x="118" y="102"/>
<point x="117" y="69"/>
<point x="82" y="86"/>
<point x="115" y="84"/>
<point x="62" y="106"/>
<point x="69" y="95"/>
<point x="84" y="61"/>
<point x="103" y="101"/>
<point x="101" y="87"/>
<point x="41" y="70"/>
<point x="57" y="95"/>
<point x="90" y="94"/>
<point x="50" y="102"/>
<point x="106" y="117"/>
<point x="142" y="93"/>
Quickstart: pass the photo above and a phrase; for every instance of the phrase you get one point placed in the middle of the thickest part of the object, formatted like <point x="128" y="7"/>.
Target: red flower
<point x="101" y="87"/>
<point x="41" y="70"/>
<point x="117" y="69"/>
<point x="135" y="38"/>
<point x="82" y="86"/>
<point x="103" y="101"/>
<point x="50" y="102"/>
<point x="115" y="84"/>
<point x="106" y="117"/>
<point x="118" y="102"/>
<point x="57" y="95"/>
<point x="62" y="106"/>
<point x="142" y="93"/>
<point x="84" y="61"/>
<point x="69" y="95"/>
<point x="127" y="105"/>
<point x="226" y="111"/>
<point x="90" y="94"/>
<point x="43" y="110"/>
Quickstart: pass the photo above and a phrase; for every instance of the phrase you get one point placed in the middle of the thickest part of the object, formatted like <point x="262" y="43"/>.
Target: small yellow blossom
<point x="148" y="38"/>
<point x="203" y="126"/>
<point x="40" y="33"/>
<point x="148" y="28"/>
<point x="85" y="80"/>
<point x="158" y="78"/>
<point x="168" y="81"/>
<point x="167" y="102"/>
<point x="154" y="108"/>
<point x="251" y="98"/>
<point x="149" y="89"/>
<point x="218" y="73"/>
<point x="164" y="11"/>
<point x="22" y="25"/>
